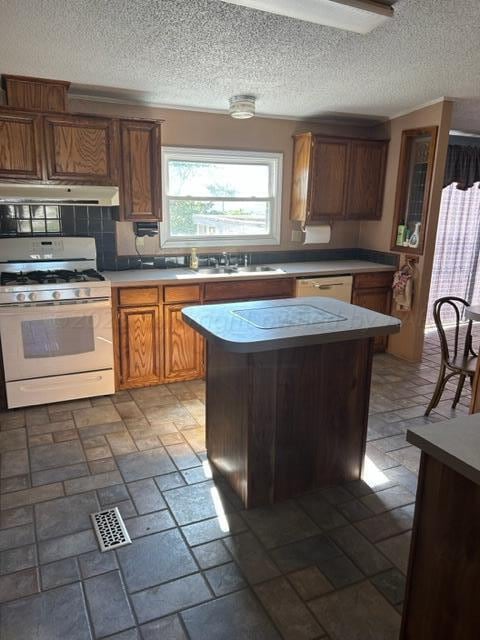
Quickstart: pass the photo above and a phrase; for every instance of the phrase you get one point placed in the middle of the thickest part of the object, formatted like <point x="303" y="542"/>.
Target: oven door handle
<point x="55" y="307"/>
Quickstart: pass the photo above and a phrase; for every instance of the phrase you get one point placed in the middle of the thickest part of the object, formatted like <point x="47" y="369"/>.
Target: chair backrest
<point x="456" y="306"/>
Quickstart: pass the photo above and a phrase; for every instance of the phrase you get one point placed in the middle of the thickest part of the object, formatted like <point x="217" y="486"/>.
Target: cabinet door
<point x="183" y="347"/>
<point x="81" y="149"/>
<point x="329" y="175"/>
<point x="141" y="170"/>
<point x="20" y="146"/>
<point x="376" y="300"/>
<point x="37" y="94"/>
<point x="139" y="339"/>
<point x="366" y="179"/>
<point x="300" y="196"/>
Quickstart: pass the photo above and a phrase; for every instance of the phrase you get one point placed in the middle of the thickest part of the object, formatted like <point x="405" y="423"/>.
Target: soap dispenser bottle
<point x="193" y="259"/>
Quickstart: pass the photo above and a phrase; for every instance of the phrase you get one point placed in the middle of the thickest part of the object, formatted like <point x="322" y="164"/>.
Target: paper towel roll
<point x="317" y="234"/>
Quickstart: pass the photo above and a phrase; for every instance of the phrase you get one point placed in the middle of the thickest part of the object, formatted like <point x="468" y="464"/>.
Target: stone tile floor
<point x="329" y="565"/>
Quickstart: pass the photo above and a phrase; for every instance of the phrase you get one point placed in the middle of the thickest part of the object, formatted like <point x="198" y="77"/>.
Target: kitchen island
<point x="288" y="384"/>
<point x="441" y="600"/>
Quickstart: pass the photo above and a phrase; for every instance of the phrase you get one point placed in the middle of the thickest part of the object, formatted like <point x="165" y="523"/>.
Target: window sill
<point x="180" y="243"/>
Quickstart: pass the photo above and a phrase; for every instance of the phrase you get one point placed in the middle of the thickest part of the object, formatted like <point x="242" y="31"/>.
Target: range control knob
<point x="56" y="295"/>
<point x="86" y="292"/>
<point x="78" y="293"/>
<point x="32" y="296"/>
<point x="20" y="297"/>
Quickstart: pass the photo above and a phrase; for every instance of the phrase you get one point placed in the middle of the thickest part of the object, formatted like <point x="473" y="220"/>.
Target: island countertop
<point x="455" y="443"/>
<point x="267" y="325"/>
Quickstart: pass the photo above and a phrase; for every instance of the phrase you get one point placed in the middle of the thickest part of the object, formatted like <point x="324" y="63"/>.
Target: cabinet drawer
<point x="373" y="280"/>
<point x="138" y="296"/>
<point x="184" y="293"/>
<point x="217" y="291"/>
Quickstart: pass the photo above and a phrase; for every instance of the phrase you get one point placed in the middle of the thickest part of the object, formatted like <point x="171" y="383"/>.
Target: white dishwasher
<point x="338" y="287"/>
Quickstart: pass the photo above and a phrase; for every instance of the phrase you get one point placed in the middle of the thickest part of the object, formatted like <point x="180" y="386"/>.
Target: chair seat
<point x="465" y="364"/>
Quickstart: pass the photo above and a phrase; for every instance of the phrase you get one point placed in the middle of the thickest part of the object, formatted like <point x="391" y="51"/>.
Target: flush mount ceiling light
<point x="360" y="16"/>
<point x="242" y="107"/>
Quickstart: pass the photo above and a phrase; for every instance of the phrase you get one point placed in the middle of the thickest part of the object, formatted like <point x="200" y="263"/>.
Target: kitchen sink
<point x="258" y="269"/>
<point x="214" y="270"/>
<point x="233" y="270"/>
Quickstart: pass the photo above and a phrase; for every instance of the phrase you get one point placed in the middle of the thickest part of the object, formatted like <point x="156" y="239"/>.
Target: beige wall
<point x="213" y="130"/>
<point x="408" y="344"/>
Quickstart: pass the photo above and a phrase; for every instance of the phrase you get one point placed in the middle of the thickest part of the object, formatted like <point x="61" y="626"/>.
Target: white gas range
<point x="55" y="321"/>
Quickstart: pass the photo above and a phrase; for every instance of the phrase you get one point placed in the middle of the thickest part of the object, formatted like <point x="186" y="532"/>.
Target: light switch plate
<point x="297" y="235"/>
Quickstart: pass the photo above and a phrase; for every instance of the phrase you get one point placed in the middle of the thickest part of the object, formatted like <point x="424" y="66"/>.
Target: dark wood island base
<point x="282" y="423"/>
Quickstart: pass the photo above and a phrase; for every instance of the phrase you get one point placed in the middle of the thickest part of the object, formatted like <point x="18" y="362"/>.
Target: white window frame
<point x="274" y="160"/>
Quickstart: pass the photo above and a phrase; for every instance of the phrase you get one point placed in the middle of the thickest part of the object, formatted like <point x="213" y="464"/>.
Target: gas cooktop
<point x="57" y="276"/>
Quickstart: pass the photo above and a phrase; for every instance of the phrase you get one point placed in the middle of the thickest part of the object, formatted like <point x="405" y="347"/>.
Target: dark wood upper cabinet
<point x="337" y="178"/>
<point x="20" y="146"/>
<point x="328" y="178"/>
<point x="81" y="149"/>
<point x="37" y="94"/>
<point x="366" y="180"/>
<point x="141" y="170"/>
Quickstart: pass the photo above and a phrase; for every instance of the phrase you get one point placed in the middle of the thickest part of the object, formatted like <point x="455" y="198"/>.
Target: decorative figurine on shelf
<point x="415" y="237"/>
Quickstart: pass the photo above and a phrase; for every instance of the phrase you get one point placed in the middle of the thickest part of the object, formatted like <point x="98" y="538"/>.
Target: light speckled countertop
<point x="293" y="322"/>
<point x="136" y="277"/>
<point x="455" y="443"/>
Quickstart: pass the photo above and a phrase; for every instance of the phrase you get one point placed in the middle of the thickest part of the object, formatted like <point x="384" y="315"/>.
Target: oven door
<point x="56" y="339"/>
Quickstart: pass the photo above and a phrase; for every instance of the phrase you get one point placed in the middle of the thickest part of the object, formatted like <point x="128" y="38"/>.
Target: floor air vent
<point x="110" y="529"/>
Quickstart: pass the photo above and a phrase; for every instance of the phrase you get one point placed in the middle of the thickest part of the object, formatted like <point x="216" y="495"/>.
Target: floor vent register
<point x="110" y="529"/>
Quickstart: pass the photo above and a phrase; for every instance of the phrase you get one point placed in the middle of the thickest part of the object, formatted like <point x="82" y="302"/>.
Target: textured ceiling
<point x="197" y="53"/>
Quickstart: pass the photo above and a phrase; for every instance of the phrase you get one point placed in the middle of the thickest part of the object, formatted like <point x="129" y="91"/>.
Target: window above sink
<point x="220" y="198"/>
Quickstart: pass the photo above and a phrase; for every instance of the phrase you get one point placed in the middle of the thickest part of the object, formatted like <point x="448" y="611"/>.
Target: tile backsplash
<point x="64" y="220"/>
<point x="99" y="223"/>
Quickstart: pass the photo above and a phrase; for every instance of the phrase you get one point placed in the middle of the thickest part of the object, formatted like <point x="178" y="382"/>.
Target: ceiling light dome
<point x="242" y="107"/>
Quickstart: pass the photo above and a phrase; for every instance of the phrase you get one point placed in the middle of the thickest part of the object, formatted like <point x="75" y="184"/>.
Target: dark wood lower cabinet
<point x="153" y="344"/>
<point x="139" y="345"/>
<point x="442" y="597"/>
<point x="374" y="291"/>
<point x="183" y="347"/>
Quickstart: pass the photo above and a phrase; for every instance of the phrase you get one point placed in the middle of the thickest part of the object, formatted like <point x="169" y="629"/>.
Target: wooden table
<point x="288" y="385"/>
<point x="473" y="313"/>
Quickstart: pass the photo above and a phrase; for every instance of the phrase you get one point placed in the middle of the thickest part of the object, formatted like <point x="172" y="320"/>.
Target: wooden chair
<point x="456" y="364"/>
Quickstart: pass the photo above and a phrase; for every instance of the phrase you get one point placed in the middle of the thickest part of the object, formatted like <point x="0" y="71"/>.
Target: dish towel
<point x="403" y="288"/>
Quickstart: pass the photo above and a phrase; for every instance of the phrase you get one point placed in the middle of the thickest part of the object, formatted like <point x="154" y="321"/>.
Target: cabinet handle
<point x="327" y="286"/>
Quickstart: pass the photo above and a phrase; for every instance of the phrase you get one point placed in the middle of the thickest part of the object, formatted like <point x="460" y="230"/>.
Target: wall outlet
<point x="140" y="242"/>
<point x="297" y="235"/>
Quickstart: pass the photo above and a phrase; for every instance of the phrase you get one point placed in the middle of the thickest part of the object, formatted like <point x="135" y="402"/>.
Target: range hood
<point x="15" y="193"/>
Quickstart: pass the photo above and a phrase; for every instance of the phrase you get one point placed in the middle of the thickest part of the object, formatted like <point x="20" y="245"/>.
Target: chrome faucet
<point x="225" y="259"/>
